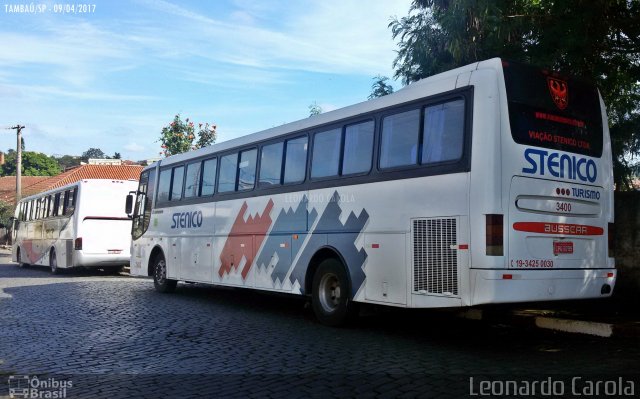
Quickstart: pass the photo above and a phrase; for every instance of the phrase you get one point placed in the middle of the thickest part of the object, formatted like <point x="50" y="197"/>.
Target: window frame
<point x="327" y="129"/>
<point x="467" y="97"/>
<point x="373" y="147"/>
<point x="375" y="174"/>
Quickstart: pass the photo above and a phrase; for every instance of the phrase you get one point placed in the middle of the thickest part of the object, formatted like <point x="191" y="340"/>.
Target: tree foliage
<point x="93" y="153"/>
<point x="67" y="161"/>
<point x="314" y="109"/>
<point x="599" y="41"/>
<point x="180" y="136"/>
<point x="380" y="87"/>
<point x="33" y="164"/>
<point x="6" y="212"/>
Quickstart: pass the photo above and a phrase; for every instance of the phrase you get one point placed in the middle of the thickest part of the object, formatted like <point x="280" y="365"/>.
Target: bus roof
<point x="408" y="93"/>
<point x="67" y="186"/>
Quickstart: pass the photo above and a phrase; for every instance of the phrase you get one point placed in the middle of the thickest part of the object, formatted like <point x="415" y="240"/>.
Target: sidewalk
<point x="608" y="317"/>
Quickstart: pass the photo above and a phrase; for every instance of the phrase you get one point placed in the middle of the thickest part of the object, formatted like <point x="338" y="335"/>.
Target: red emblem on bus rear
<point x="559" y="91"/>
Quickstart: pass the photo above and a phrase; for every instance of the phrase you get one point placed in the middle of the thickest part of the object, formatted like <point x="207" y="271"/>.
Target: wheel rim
<point x="161" y="271"/>
<point x="329" y="292"/>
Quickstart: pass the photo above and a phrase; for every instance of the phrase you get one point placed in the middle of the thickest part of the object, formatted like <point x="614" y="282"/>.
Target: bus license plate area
<point x="562" y="247"/>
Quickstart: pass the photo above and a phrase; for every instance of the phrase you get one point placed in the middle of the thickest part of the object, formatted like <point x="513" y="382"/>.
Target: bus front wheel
<point x="160" y="280"/>
<point x="331" y="302"/>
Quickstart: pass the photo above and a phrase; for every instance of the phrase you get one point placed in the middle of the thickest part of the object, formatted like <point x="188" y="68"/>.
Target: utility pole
<point x="18" y="129"/>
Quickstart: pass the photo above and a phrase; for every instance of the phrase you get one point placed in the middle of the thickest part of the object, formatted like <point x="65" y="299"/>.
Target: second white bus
<point x="78" y="225"/>
<point x="485" y="184"/>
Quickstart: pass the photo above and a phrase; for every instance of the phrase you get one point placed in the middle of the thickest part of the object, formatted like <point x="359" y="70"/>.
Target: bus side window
<point x="67" y="199"/>
<point x="326" y="153"/>
<point x="192" y="181"/>
<point x="209" y="169"/>
<point x="56" y="204"/>
<point x="399" y="146"/>
<point x="38" y="208"/>
<point x="271" y="164"/>
<point x="295" y="162"/>
<point x="247" y="170"/>
<point x="71" y="205"/>
<point x="358" y="148"/>
<point x="49" y="206"/>
<point x="164" y="185"/>
<point x="61" y="204"/>
<point x="228" y="170"/>
<point x="176" y="184"/>
<point x="443" y="132"/>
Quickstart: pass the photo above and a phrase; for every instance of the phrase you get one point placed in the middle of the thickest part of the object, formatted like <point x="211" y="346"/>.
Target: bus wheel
<point x="330" y="297"/>
<point x="19" y="259"/>
<point x="160" y="280"/>
<point x="53" y="262"/>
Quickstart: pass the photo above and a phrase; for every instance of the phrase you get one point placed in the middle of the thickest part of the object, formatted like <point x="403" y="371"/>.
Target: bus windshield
<point x="550" y="111"/>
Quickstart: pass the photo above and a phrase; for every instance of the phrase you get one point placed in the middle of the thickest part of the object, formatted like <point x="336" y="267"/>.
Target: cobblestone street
<point x="114" y="336"/>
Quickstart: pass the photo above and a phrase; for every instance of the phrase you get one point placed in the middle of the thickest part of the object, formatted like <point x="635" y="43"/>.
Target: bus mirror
<point x="128" y="208"/>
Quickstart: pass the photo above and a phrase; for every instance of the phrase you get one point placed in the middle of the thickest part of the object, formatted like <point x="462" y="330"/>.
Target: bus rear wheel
<point x="331" y="301"/>
<point x="53" y="262"/>
<point x="160" y="280"/>
<point x="21" y="263"/>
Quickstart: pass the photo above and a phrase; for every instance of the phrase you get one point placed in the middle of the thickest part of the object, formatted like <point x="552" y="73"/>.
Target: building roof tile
<point x="37" y="184"/>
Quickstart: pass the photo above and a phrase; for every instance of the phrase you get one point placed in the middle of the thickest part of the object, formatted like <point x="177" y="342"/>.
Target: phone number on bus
<point x="532" y="263"/>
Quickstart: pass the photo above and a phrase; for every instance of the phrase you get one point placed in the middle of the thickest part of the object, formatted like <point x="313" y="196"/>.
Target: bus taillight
<point x="77" y="244"/>
<point x="494" y="235"/>
<point x="611" y="238"/>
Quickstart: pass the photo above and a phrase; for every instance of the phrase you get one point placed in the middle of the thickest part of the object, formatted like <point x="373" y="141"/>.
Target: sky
<point x="112" y="77"/>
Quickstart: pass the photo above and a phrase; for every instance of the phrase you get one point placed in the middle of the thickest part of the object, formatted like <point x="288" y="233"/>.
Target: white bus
<point x="78" y="225"/>
<point x="485" y="184"/>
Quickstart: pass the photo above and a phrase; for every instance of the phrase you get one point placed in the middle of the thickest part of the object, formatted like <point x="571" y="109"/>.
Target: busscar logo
<point x="559" y="91"/>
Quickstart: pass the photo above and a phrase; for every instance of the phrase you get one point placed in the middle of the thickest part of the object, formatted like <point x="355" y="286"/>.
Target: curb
<point x="573" y="326"/>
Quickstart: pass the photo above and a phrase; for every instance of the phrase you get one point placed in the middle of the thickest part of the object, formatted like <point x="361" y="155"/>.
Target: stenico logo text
<point x="563" y="166"/>
<point x="187" y="220"/>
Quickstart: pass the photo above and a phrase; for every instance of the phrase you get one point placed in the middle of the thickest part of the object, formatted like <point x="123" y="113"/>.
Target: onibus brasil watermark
<point x="34" y="387"/>
<point x="576" y="386"/>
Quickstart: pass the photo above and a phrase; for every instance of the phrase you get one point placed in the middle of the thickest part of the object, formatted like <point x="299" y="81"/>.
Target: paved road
<point x="113" y="336"/>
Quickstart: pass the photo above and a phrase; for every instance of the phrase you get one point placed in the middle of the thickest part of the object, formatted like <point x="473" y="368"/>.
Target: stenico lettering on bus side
<point x="563" y="166"/>
<point x="187" y="220"/>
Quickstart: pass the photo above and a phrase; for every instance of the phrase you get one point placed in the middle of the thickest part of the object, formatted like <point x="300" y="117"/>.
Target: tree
<point x="600" y="42"/>
<point x="314" y="109"/>
<point x="116" y="155"/>
<point x="67" y="161"/>
<point x="92" y="153"/>
<point x="179" y="136"/>
<point x="33" y="164"/>
<point x="380" y="87"/>
<point x="6" y="212"/>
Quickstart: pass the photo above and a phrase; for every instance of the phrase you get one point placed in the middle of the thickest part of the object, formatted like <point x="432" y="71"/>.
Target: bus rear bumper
<point x="99" y="260"/>
<point x="508" y="285"/>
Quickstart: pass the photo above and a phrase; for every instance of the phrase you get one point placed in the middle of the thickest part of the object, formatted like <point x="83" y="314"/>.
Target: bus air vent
<point x="435" y="263"/>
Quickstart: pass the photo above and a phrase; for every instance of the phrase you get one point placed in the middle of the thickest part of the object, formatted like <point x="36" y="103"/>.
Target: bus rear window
<point x="546" y="110"/>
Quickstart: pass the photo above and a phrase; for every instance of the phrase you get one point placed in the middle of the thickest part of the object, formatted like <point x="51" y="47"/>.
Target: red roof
<point x="8" y="186"/>
<point x="37" y="184"/>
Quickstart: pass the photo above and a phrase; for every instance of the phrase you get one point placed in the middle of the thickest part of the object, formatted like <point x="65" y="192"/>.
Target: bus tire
<point x="160" y="280"/>
<point x="330" y="299"/>
<point x="53" y="262"/>
<point x="19" y="259"/>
